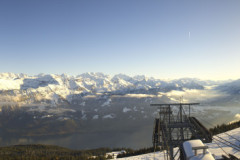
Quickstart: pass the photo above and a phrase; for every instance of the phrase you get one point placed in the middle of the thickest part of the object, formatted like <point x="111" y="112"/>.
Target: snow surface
<point x="188" y="147"/>
<point x="149" y="156"/>
<point x="114" y="154"/>
<point x="217" y="151"/>
<point x="109" y="116"/>
<point x="213" y="147"/>
<point x="125" y="109"/>
<point x="107" y="103"/>
<point x="95" y="117"/>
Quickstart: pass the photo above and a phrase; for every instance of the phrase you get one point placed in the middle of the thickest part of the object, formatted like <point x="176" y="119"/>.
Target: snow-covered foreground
<point x="232" y="136"/>
<point x="149" y="156"/>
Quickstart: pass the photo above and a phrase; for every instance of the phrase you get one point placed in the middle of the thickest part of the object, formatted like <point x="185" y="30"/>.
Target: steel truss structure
<point x="174" y="125"/>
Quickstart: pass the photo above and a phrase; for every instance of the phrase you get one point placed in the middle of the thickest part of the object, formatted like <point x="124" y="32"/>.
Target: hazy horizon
<point x="111" y="75"/>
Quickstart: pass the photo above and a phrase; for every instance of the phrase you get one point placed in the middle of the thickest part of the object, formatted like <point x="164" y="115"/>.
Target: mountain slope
<point x="63" y="89"/>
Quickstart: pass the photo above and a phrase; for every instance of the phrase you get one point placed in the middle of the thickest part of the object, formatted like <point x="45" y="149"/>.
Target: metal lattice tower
<point x="174" y="126"/>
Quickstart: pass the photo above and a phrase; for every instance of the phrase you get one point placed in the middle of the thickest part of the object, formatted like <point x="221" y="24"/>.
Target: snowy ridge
<point x="63" y="89"/>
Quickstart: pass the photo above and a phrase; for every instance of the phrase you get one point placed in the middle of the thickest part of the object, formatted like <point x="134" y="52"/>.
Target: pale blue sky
<point x="149" y="37"/>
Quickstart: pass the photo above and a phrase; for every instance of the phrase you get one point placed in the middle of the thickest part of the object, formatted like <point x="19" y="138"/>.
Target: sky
<point x="159" y="38"/>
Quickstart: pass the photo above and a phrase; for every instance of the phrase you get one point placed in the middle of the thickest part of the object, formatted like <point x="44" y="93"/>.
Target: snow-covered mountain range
<point x="64" y="89"/>
<point x="51" y="88"/>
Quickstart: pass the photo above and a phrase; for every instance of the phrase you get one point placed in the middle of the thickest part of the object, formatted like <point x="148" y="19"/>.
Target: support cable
<point x="176" y="153"/>
<point x="229" y="145"/>
<point x="223" y="133"/>
<point x="232" y="137"/>
<point x="228" y="142"/>
<point x="224" y="141"/>
<point x="222" y="149"/>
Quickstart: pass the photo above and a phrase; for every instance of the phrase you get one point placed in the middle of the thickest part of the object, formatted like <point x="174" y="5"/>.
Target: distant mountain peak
<point x="45" y="87"/>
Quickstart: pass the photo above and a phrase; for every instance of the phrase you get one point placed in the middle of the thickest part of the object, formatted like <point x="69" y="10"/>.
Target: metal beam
<point x="171" y="130"/>
<point x="178" y="125"/>
<point x="172" y="104"/>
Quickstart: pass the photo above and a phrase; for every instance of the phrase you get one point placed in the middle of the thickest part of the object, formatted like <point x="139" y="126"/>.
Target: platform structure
<point x="174" y="125"/>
